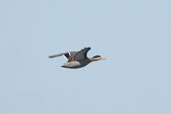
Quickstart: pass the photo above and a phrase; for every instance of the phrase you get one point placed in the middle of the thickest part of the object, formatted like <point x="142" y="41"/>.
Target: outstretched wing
<point x="82" y="54"/>
<point x="68" y="55"/>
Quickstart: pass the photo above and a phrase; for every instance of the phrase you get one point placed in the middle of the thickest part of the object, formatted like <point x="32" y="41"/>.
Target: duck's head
<point x="96" y="58"/>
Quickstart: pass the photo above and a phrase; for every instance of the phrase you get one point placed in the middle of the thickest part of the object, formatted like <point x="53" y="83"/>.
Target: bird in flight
<point x="77" y="59"/>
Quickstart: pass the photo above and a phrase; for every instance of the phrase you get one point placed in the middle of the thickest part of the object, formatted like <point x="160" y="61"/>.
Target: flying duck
<point x="77" y="59"/>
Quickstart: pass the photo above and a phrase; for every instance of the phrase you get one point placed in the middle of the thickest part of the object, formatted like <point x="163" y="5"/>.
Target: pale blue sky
<point x="133" y="35"/>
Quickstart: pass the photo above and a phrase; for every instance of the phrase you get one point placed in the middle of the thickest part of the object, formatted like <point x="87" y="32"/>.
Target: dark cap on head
<point x="96" y="56"/>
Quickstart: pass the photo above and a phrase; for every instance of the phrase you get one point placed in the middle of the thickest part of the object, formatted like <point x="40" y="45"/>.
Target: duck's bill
<point x="102" y="58"/>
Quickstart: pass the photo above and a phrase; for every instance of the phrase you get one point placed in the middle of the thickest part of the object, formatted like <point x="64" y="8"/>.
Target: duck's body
<point x="78" y="59"/>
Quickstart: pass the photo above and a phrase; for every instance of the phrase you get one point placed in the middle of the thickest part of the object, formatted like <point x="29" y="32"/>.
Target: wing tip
<point x="88" y="48"/>
<point x="50" y="56"/>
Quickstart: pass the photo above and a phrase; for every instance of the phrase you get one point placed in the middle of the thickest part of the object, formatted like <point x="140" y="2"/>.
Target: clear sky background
<point x="133" y="35"/>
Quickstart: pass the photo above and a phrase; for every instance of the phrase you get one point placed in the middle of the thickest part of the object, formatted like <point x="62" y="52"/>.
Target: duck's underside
<point x="76" y="64"/>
